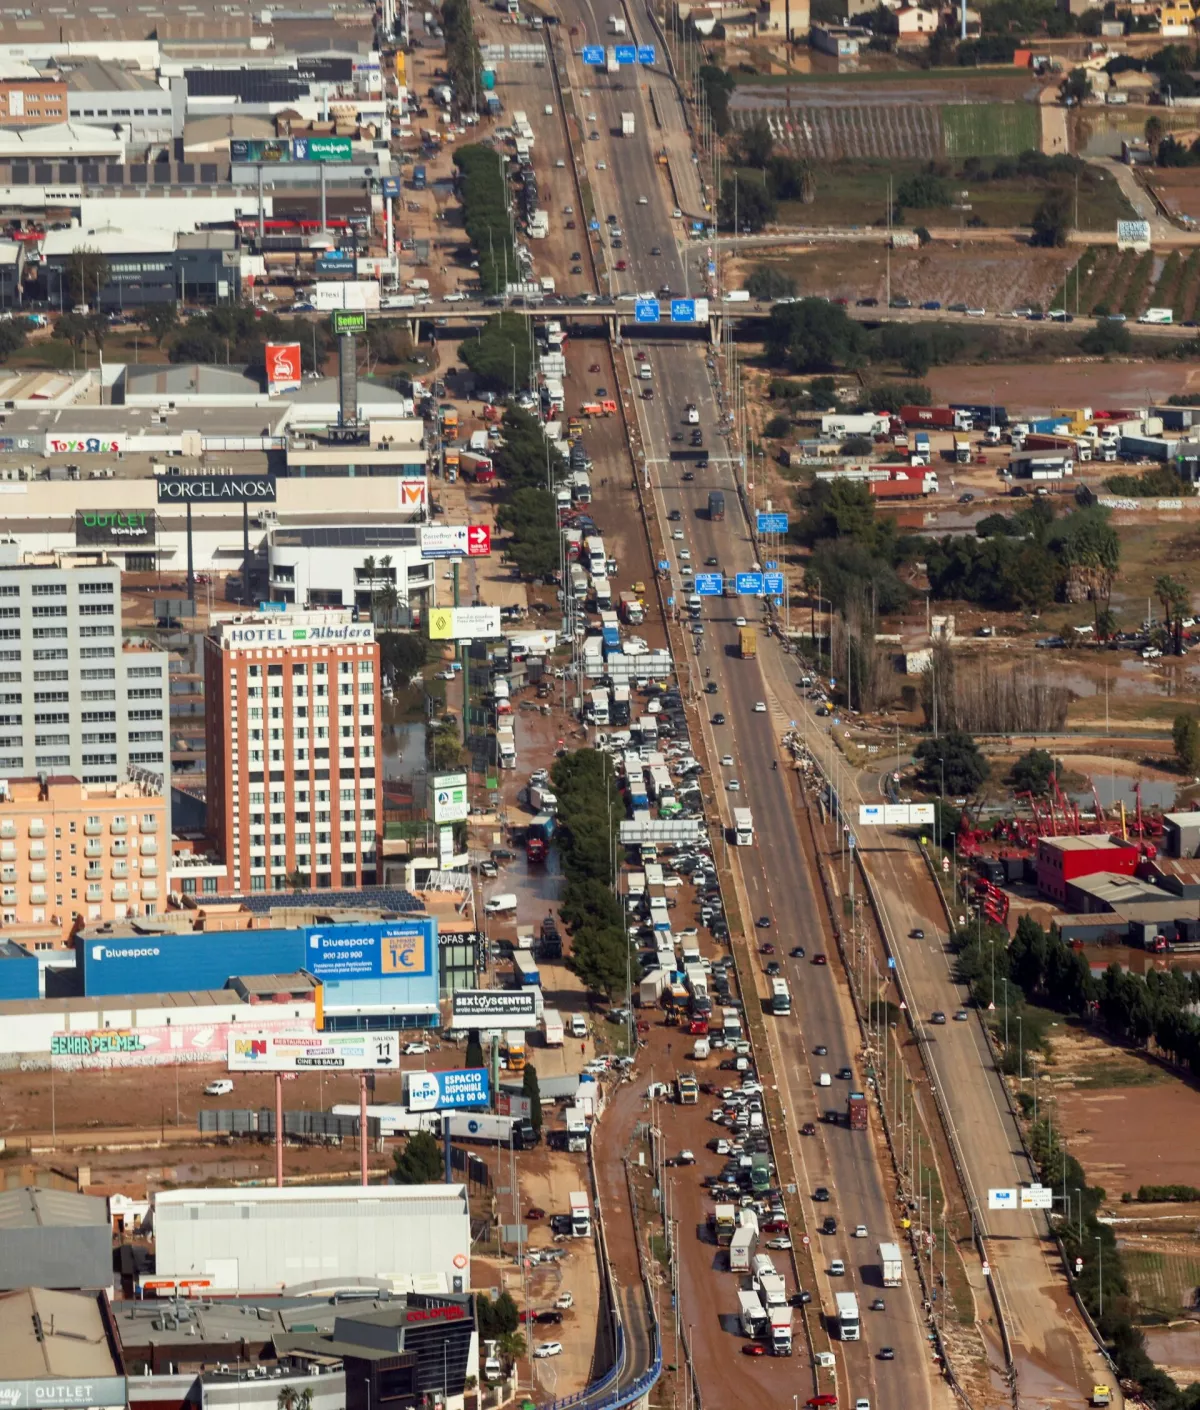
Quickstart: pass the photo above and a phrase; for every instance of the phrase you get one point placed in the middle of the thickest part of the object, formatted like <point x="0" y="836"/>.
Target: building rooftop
<point x="10" y="950"/>
<point x="1190" y="819"/>
<point x="33" y="1207"/>
<point x="192" y="379"/>
<point x="1119" y="892"/>
<point x="50" y="1335"/>
<point x="97" y="76"/>
<point x="59" y="139"/>
<point x="109" y="240"/>
<point x="1095" y="843"/>
<point x="390" y="900"/>
<point x="117" y="1004"/>
<point x="267" y="985"/>
<point x="427" y="1197"/>
<point x="346" y="535"/>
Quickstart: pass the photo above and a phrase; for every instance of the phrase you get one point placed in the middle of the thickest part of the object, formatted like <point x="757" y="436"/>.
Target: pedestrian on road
<point x="583" y="1047"/>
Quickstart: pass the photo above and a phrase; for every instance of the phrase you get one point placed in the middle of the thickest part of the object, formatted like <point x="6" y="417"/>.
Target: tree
<point x="87" y="274"/>
<point x="1185" y="733"/>
<point x="499" y="356"/>
<point x="530" y="1089"/>
<point x="420" y="1162"/>
<point x="511" y="1346"/>
<point x="474" y="1056"/>
<point x="757" y="142"/>
<point x="777" y="427"/>
<point x="749" y="202"/>
<point x="1052" y="220"/>
<point x="813" y="336"/>
<point x="767" y="283"/>
<point x="955" y="757"/>
<point x="1076" y="86"/>
<point x="1105" y="338"/>
<point x="1154" y="134"/>
<point x="718" y="85"/>
<point x="1031" y="772"/>
<point x="923" y="191"/>
<point x="532" y="519"/>
<point x="160" y="319"/>
<point x="72" y="328"/>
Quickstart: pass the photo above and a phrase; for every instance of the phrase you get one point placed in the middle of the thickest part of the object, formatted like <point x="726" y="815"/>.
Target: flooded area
<point x="403" y="746"/>
<point x="1028" y="388"/>
<point x="1177" y="1348"/>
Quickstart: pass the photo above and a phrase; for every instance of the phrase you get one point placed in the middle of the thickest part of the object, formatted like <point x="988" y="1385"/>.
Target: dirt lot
<point x="1115" y="1107"/>
<point x="1036" y="387"/>
<point x="1178" y="190"/>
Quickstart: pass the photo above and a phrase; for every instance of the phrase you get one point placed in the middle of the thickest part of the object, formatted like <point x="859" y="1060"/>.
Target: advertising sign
<point x="626" y="53"/>
<point x="348" y="320"/>
<point x="283" y="368"/>
<point x="345" y="1052"/>
<point x="334" y="262"/>
<point x="1002" y="1199"/>
<point x="152" y="1045"/>
<point x="683" y="310"/>
<point x="85" y="444"/>
<point x="464" y="623"/>
<point x="271" y="149"/>
<point x="646" y="54"/>
<point x="57" y="1394"/>
<point x="444" y="541"/>
<point x="493" y="1008"/>
<point x="414" y="492"/>
<point x="438" y="1091"/>
<point x="373" y="950"/>
<point x="113" y="528"/>
<point x="321" y="149"/>
<point x="772" y="523"/>
<point x="773" y="584"/>
<point x="390" y="186"/>
<point x="709" y="584"/>
<point x="594" y="54"/>
<point x="332" y="633"/>
<point x="479" y="541"/>
<point x="749" y="584"/>
<point x="646" y="311"/>
<point x="450" y="802"/>
<point x="219" y="489"/>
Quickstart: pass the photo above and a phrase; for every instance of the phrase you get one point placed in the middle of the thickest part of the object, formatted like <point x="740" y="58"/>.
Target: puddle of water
<point x="403" y="747"/>
<point x="1176" y="1347"/>
<point x="1099" y="957"/>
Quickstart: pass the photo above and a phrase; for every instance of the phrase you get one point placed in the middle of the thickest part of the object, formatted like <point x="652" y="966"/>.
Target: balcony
<point x="8" y="875"/>
<point x="118" y="827"/>
<point x="149" y="824"/>
<point x="120" y="869"/>
<point x="93" y="849"/>
<point x="95" y="893"/>
<point x="37" y="896"/>
<point x="120" y="849"/>
<point x="8" y="852"/>
<point x="37" y="851"/>
<point x="94" y="873"/>
<point x="8" y="829"/>
<point x="38" y="874"/>
<point x="149" y="868"/>
<point x="91" y="829"/>
<point x="150" y="847"/>
<point x="150" y="890"/>
<point x="37" y="828"/>
<point x="120" y="891"/>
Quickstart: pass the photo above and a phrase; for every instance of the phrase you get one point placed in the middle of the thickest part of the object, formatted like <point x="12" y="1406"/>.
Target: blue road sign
<point x="770" y="567"/>
<point x="626" y="54"/>
<point x="646" y="311"/>
<point x="712" y="268"/>
<point x="390" y="185"/>
<point x="891" y="962"/>
<point x="709" y="585"/>
<point x="773" y="584"/>
<point x="772" y="523"/>
<point x="779" y="602"/>
<point x="683" y="310"/>
<point x="748" y="584"/>
<point x="593" y="225"/>
<point x="663" y="565"/>
<point x="647" y="54"/>
<point x="593" y="54"/>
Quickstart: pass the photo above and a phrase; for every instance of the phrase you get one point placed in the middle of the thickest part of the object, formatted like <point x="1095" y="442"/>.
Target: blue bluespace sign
<point x="646" y="311"/>
<point x="593" y="54"/>
<point x="772" y="523"/>
<point x="442" y="1091"/>
<point x="647" y="54"/>
<point x="626" y="54"/>
<point x="749" y="583"/>
<point x="390" y="185"/>
<point x="380" y="950"/>
<point x="773" y="584"/>
<point x="709" y="585"/>
<point x="683" y="310"/>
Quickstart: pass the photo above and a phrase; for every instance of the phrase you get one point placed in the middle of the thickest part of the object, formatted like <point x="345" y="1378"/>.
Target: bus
<point x="781" y="996"/>
<point x="743" y="827"/>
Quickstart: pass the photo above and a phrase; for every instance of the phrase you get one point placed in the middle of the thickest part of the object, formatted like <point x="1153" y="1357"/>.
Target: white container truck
<point x="552" y="1028"/>
<point x="774" y="1290"/>
<point x="891" y="1264"/>
<point x="849" y="1328"/>
<point x="750" y="1313"/>
<point x="741" y="1250"/>
<point x="628" y="125"/>
<point x="781" y="1330"/>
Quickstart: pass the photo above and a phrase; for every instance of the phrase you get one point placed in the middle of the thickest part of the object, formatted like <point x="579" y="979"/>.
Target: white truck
<point x="612" y="63"/>
<point x="552" y="1028"/>
<point x="891" y="1265"/>
<point x="750" y="1312"/>
<point x="781" y="1330"/>
<point x="616" y="24"/>
<point x="542" y="799"/>
<point x="581" y="1215"/>
<point x="773" y="1289"/>
<point x="849" y="1328"/>
<point x="628" y="125"/>
<point x="741" y="1249"/>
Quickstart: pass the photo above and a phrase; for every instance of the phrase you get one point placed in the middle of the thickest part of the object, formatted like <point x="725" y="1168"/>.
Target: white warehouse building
<point x="268" y="1240"/>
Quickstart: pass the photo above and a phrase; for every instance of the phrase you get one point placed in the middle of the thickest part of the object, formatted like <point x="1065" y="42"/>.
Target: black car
<point x="820" y="1195"/>
<point x="718" y="718"/>
<point x="799" y="1299"/>
<point x="550" y="1316"/>
<point x="675" y="516"/>
<point x="689" y="476"/>
<point x="916" y="934"/>
<point x="868" y="303"/>
<point x="830" y="1225"/>
<point x="773" y="968"/>
<point x="712" y="562"/>
<point x="711" y="688"/>
<point x="797" y="952"/>
<point x="763" y="922"/>
<point x="820" y="1050"/>
<point x="887" y="1353"/>
<point x="845" y="1074"/>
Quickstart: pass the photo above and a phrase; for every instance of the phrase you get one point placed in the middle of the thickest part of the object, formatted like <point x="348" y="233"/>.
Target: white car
<point x="734" y="786"/>
<point x="783" y="1243"/>
<point x="415" y="1049"/>
<point x="676" y="214"/>
<point x="456" y="298"/>
<point x="760" y="707"/>
<point x="677" y="533"/>
<point x="220" y="1088"/>
<point x="600" y="166"/>
<point x="741" y="622"/>
<point x="862" y="1403"/>
<point x="685" y="555"/>
<point x="727" y="761"/>
<point x="642" y="201"/>
<point x="564" y="1301"/>
<point x="560" y="162"/>
<point x="591" y="117"/>
<point x="548" y="1348"/>
<point x="860" y="1231"/>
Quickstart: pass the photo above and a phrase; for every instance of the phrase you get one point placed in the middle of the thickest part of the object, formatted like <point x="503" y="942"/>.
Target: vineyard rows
<point x="1129" y="283"/>
<point x="863" y="131"/>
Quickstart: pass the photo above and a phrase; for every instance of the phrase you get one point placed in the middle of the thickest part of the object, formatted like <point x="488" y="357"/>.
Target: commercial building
<point x="267" y="1240"/>
<point x="123" y="98"/>
<point x="1108" y="891"/>
<point x="145" y="265"/>
<point x="1061" y="860"/>
<point x="53" y="1239"/>
<point x="18" y="972"/>
<point x="1181" y="834"/>
<point x="293" y="748"/>
<point x="61" y="1351"/>
<point x="71" y="851"/>
<point x="74" y="698"/>
<point x="352" y="565"/>
<point x="32" y="102"/>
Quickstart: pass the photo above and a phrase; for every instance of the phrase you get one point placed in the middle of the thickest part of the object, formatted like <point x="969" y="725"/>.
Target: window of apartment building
<point x="57" y="610"/>
<point x="100" y="737"/>
<point x="53" y="761"/>
<point x="49" y="697"/>
<point x="10" y="634"/>
<point x="145" y="693"/>
<point x="144" y="714"/>
<point x="10" y="590"/>
<point x="94" y="760"/>
<point x="90" y="587"/>
<point x="96" y="717"/>
<point x="8" y="613"/>
<point x="96" y="653"/>
<point x="143" y="672"/>
<point x="51" y="717"/>
<point x="94" y="673"/>
<point x="92" y="609"/>
<point x="142" y="758"/>
<point x="145" y="736"/>
<point x="108" y="630"/>
<point x="48" y="633"/>
<point x="49" y="589"/>
<point x="97" y="695"/>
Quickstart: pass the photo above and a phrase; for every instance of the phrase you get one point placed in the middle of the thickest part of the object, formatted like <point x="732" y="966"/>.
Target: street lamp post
<point x="1100" y="1272"/>
<point x="1079" y="1192"/>
<point x="1020" y="1050"/>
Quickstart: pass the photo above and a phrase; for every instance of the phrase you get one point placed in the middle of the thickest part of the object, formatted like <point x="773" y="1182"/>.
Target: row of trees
<point x="499" y="354"/>
<point x="483" y="190"/>
<point x="589" y="817"/>
<point x="530" y="468"/>
<point x="814" y="335"/>
<point x="464" y="62"/>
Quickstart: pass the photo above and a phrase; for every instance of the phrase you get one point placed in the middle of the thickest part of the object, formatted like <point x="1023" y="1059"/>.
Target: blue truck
<point x="418" y="178"/>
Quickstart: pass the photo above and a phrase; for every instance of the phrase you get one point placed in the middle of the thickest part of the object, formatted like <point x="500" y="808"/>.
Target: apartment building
<point x="292" y="748"/>
<point x="72" y="850"/>
<point x="74" y="698"/>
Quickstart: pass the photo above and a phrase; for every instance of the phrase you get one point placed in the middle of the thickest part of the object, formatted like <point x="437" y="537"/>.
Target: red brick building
<point x="1061" y="860"/>
<point x="32" y="102"/>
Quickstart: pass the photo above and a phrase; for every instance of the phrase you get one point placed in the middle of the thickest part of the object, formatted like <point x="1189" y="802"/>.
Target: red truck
<point x="856" y="1111"/>
<point x="939" y="417"/>
<point x="478" y="468"/>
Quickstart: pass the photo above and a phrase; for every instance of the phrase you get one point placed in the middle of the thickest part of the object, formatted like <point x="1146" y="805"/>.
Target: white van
<point x="823" y="1081"/>
<point x="506" y="901"/>
<point x="646" y="372"/>
<point x="578" y="1026"/>
<point x="220" y="1088"/>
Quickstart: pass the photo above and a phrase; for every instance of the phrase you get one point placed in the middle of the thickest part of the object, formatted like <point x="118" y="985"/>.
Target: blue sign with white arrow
<point x="772" y="523"/>
<point x="773" y="584"/>
<point x="647" y="54"/>
<point x="683" y="310"/>
<point x="593" y="225"/>
<point x="593" y="54"/>
<point x="709" y="585"/>
<point x="646" y="311"/>
<point x="748" y="584"/>
<point x="626" y="54"/>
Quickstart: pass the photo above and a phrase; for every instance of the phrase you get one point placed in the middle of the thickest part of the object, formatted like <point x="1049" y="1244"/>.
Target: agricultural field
<point x="1163" y="1281"/>
<point x="836" y="131"/>
<point x="1126" y="282"/>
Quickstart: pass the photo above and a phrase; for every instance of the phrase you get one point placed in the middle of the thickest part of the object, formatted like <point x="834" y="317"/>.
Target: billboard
<point x="218" y="489"/>
<point x="895" y="815"/>
<point x="1036" y="1197"/>
<point x="413" y="492"/>
<point x="444" y="541"/>
<point x="283" y="368"/>
<point x="437" y="1091"/>
<point x="372" y="950"/>
<point x="390" y="185"/>
<point x="493" y="1008"/>
<point x="348" y="320"/>
<point x="450" y="803"/>
<point x="464" y="623"/>
<point x="270" y="149"/>
<point x="302" y="1052"/>
<point x="479" y="541"/>
<point x="153" y="1045"/>
<point x="85" y="444"/>
<point x="62" y="1393"/>
<point x="321" y="149"/>
<point x="114" y="528"/>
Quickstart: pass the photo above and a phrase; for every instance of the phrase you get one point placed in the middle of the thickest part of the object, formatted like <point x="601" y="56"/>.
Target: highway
<point x="775" y="877"/>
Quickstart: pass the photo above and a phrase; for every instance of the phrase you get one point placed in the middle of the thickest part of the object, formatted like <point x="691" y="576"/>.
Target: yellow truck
<point x="747" y="643"/>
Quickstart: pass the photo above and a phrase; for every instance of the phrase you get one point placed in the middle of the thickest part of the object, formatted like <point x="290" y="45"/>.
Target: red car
<point x="533" y="1212"/>
<point x="820" y="959"/>
<point x="621" y="265"/>
<point x="766" y="949"/>
<point x="754" y="1348"/>
<point x="776" y="1226"/>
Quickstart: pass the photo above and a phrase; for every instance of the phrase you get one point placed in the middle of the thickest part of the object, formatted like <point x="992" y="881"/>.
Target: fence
<point x="303" y="1125"/>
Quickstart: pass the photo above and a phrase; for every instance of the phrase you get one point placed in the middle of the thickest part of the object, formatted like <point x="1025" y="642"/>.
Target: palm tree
<point x="369" y="568"/>
<point x="389" y="602"/>
<point x="511" y="1346"/>
<point x="305" y="1399"/>
<point x="287" y="1399"/>
<point x="1174" y="597"/>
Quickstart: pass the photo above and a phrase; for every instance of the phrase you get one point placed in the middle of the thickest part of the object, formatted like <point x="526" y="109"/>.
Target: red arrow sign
<point x="479" y="541"/>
